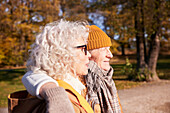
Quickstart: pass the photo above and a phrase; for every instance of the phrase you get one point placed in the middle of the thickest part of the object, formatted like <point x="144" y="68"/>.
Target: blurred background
<point x="139" y="30"/>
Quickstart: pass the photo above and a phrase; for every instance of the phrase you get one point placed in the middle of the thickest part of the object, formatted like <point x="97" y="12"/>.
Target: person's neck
<point x="74" y="82"/>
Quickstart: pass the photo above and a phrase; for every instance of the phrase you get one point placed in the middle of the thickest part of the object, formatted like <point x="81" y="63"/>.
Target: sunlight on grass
<point x="7" y="88"/>
<point x="163" y="68"/>
<point x="124" y="84"/>
<point x="121" y="80"/>
<point x="10" y="81"/>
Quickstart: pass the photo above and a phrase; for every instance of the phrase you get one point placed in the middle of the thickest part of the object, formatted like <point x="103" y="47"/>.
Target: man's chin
<point x="107" y="68"/>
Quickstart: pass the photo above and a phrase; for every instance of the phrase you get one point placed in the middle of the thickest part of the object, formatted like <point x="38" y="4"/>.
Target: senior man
<point x="101" y="92"/>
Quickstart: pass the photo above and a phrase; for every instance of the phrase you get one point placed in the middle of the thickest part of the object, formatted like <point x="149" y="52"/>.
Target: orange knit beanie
<point x="97" y="38"/>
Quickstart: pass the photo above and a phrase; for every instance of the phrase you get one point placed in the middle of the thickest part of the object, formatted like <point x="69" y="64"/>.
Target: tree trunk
<point x="155" y="42"/>
<point x="62" y="5"/>
<point x="143" y="30"/>
<point x="145" y="51"/>
<point x="153" y="53"/>
<point x="123" y="49"/>
<point x="139" y="26"/>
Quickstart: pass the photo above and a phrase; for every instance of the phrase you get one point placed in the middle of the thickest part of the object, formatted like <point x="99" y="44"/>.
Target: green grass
<point x="10" y="81"/>
<point x="163" y="67"/>
<point x="121" y="80"/>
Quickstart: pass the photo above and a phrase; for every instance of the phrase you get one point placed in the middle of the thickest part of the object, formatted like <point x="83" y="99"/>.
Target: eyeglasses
<point x="83" y="48"/>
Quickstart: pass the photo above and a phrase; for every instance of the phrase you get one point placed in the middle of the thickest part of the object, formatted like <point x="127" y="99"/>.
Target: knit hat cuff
<point x="95" y="44"/>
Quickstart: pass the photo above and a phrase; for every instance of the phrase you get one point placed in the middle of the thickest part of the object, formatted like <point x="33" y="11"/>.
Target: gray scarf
<point x="101" y="89"/>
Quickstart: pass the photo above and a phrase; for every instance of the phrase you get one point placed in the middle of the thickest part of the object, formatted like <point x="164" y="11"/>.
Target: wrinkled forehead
<point x="105" y="48"/>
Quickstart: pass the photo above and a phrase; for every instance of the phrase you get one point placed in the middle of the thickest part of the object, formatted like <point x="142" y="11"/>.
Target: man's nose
<point x="109" y="54"/>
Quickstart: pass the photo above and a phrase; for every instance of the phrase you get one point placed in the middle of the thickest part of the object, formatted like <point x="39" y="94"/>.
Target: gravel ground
<point x="3" y="110"/>
<point x="148" y="98"/>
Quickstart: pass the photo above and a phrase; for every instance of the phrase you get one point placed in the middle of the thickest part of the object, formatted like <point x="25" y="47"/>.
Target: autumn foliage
<point x="139" y="24"/>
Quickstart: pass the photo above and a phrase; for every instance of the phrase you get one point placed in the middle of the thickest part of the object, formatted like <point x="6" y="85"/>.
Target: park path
<point x="3" y="110"/>
<point x="148" y="98"/>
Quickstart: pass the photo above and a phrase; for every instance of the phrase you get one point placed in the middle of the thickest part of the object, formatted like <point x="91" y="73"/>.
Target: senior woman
<point x="60" y="52"/>
<point x="100" y="90"/>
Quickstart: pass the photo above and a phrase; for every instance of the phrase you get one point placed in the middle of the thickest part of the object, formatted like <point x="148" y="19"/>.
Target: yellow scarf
<point x="81" y="99"/>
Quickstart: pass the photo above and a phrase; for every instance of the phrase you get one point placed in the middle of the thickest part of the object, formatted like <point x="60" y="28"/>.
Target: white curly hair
<point x="52" y="53"/>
